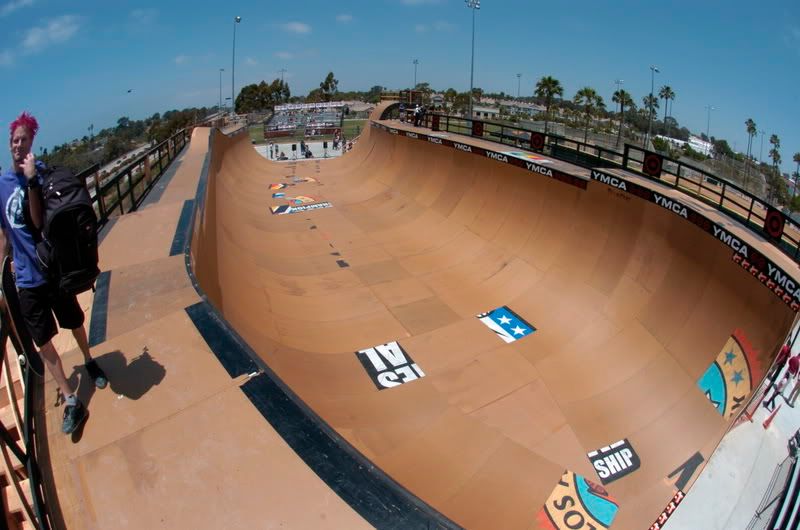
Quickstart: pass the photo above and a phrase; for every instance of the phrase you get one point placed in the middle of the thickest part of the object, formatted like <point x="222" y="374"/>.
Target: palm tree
<point x="752" y="130"/>
<point x="796" y="159"/>
<point x="666" y="93"/>
<point x="650" y="103"/>
<point x="774" y="153"/>
<point x="546" y="88"/>
<point x="591" y="101"/>
<point x="624" y="99"/>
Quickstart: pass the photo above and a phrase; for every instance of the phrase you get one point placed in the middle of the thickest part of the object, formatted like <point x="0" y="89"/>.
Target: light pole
<point x="474" y="5"/>
<point x="282" y="71"/>
<point x="236" y="21"/>
<point x="519" y="77"/>
<point x="416" y="62"/>
<point x="653" y="72"/>
<point x="219" y="108"/>
<point x="619" y="83"/>
<point x="709" y="108"/>
<point x="761" y="153"/>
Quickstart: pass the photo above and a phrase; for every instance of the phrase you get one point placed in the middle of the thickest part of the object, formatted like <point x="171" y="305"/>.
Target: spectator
<point x="794" y="393"/>
<point x="21" y="186"/>
<point x="780" y="361"/>
<point x="794" y="367"/>
<point x="769" y="404"/>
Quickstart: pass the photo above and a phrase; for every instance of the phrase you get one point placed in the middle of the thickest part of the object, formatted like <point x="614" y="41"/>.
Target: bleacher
<point x="308" y="119"/>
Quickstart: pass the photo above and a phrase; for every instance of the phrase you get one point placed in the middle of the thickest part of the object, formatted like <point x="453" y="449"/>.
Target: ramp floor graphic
<point x="609" y="353"/>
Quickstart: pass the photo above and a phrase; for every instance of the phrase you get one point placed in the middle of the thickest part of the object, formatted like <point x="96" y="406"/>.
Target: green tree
<point x="374" y="94"/>
<point x="666" y="93"/>
<point x="796" y="159"/>
<point x="752" y="129"/>
<point x="774" y="153"/>
<point x="329" y="87"/>
<point x="623" y="99"/>
<point x="588" y="98"/>
<point x="546" y="88"/>
<point x="650" y="103"/>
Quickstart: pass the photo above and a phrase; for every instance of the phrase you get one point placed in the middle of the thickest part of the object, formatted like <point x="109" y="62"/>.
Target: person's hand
<point x="29" y="166"/>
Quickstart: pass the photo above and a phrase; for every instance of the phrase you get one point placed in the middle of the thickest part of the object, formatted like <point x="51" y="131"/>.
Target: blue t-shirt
<point x="13" y="187"/>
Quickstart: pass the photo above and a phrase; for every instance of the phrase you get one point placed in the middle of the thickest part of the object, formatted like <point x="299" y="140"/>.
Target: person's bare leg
<point x="53" y="362"/>
<point x="83" y="343"/>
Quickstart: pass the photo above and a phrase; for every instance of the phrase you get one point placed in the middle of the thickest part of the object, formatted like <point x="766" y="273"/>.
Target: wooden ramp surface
<point x="604" y="318"/>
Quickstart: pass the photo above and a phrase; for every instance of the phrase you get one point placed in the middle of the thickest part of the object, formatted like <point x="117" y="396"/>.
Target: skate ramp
<point x="511" y="349"/>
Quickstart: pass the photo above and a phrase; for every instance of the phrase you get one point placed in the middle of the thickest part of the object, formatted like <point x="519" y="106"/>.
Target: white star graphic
<point x="518" y="330"/>
<point x="504" y="320"/>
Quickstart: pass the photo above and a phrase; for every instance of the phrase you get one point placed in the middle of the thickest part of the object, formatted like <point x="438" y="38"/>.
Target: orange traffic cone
<point x="769" y="419"/>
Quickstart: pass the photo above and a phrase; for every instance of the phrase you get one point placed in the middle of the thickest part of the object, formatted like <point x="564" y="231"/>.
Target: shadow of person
<point x="131" y="379"/>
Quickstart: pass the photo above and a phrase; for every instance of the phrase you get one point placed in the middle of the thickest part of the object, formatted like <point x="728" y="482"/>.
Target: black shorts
<point x="38" y="304"/>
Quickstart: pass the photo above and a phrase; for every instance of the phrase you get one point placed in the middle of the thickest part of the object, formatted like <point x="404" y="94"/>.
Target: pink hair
<point x="25" y="120"/>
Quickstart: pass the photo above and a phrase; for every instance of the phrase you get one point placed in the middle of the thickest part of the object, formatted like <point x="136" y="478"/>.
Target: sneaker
<point x="73" y="417"/>
<point x="97" y="374"/>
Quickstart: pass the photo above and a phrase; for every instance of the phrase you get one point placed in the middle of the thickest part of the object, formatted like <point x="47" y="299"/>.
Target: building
<point x="485" y="112"/>
<point x="695" y="142"/>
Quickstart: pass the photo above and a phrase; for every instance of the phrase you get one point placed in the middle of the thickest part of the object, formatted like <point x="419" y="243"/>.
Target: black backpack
<point x="67" y="251"/>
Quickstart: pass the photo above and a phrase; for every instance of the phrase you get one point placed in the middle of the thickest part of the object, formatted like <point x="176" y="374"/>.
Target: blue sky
<point x="71" y="63"/>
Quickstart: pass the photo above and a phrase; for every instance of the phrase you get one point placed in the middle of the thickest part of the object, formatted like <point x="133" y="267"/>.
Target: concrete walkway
<point x="729" y="490"/>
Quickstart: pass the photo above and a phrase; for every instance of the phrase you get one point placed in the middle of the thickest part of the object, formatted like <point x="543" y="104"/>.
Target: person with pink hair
<point x="21" y="220"/>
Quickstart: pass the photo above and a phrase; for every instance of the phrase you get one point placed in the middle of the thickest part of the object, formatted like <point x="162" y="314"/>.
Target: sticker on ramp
<point x="506" y="324"/>
<point x="388" y="365"/>
<point x="614" y="461"/>
<point x="277" y="186"/>
<point x="298" y="180"/>
<point x="300" y="199"/>
<point x="577" y="503"/>
<point x="278" y="195"/>
<point x="286" y="209"/>
<point x="528" y="156"/>
<point x="730" y="378"/>
<point x="668" y="511"/>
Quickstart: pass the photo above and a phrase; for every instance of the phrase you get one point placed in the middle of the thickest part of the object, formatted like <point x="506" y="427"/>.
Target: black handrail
<point x="723" y="195"/>
<point x="25" y="453"/>
<point x="134" y="180"/>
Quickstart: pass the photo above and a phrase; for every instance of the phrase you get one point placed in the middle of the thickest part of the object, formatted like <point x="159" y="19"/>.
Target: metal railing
<point x="22" y="450"/>
<point x="123" y="191"/>
<point x="727" y="197"/>
<point x="778" y="500"/>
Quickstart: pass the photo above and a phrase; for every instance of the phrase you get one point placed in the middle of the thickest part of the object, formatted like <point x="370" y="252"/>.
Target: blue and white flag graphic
<point x="508" y="325"/>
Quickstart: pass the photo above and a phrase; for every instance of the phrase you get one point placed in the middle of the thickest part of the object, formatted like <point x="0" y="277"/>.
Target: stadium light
<point x="416" y="62"/>
<point x="219" y="108"/>
<point x="519" y="77"/>
<point x="236" y="21"/>
<point x="709" y="108"/>
<point x="474" y="5"/>
<point x="653" y="71"/>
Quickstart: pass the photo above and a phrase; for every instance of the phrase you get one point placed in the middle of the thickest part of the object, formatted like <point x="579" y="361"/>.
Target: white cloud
<point x="421" y="28"/>
<point x="56" y="31"/>
<point x="10" y="7"/>
<point x="443" y="26"/>
<point x="181" y="59"/>
<point x="345" y="18"/>
<point x="249" y="61"/>
<point x="144" y="16"/>
<point x="284" y="55"/>
<point x="6" y="58"/>
<point x="297" y="27"/>
<point x="419" y="2"/>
